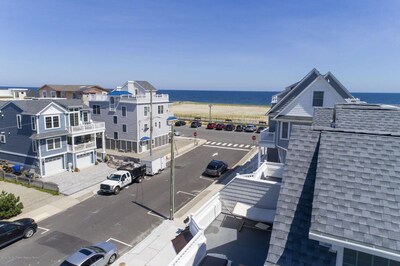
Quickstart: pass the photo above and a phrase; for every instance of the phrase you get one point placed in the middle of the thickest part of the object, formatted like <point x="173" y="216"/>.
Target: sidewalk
<point x="156" y="249"/>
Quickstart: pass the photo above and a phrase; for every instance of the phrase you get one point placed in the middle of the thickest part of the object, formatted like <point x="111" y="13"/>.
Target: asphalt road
<point x="123" y="219"/>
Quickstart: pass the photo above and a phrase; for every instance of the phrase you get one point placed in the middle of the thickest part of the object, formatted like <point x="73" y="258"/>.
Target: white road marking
<point x="227" y="148"/>
<point x="116" y="240"/>
<point x="230" y="144"/>
<point x="150" y="212"/>
<point x="206" y="178"/>
<point x="219" y="143"/>
<point x="208" y="142"/>
<point x="187" y="193"/>
<point x="224" y="144"/>
<point x="253" y="146"/>
<point x="44" y="229"/>
<point x="235" y="145"/>
<point x="127" y="187"/>
<point x="215" y="154"/>
<point x="241" y="145"/>
<point x="212" y="143"/>
<point x="247" y="146"/>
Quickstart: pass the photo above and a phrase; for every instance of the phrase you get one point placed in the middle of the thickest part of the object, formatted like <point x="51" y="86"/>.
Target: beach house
<point x="49" y="135"/>
<point x="70" y="91"/>
<point x="7" y="94"/>
<point x="133" y="114"/>
<point x="295" y="106"/>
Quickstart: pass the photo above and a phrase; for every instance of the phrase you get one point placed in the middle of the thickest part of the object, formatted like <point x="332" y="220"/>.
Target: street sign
<point x="253" y="137"/>
<point x="195" y="133"/>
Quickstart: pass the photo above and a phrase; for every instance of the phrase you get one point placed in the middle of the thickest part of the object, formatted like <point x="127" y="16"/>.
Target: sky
<point x="203" y="45"/>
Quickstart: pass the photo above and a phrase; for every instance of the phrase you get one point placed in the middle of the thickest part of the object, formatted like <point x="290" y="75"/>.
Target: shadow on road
<point x="149" y="209"/>
<point x="62" y="242"/>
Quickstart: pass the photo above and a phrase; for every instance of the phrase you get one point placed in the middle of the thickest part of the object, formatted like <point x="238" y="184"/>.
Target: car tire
<point x="139" y="180"/>
<point x="117" y="190"/>
<point x="29" y="232"/>
<point x="112" y="259"/>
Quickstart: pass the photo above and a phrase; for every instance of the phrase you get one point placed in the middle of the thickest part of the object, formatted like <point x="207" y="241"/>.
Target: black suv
<point x="216" y="168"/>
<point x="195" y="124"/>
<point x="229" y="127"/>
<point x="12" y="231"/>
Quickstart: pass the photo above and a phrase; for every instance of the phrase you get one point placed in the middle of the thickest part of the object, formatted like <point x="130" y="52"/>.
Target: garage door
<point x="53" y="165"/>
<point x="84" y="160"/>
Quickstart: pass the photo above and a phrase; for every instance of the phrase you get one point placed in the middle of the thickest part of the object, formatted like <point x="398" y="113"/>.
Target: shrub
<point x="9" y="205"/>
<point x="106" y="158"/>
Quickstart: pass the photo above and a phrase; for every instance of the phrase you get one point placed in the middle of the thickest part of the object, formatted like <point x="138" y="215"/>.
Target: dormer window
<point x="53" y="94"/>
<point x="318" y="98"/>
<point x="52" y="122"/>
<point x="44" y="94"/>
<point x="19" y="121"/>
<point x="33" y="122"/>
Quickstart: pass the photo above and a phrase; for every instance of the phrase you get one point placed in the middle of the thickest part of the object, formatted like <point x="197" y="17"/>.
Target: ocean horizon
<point x="251" y="97"/>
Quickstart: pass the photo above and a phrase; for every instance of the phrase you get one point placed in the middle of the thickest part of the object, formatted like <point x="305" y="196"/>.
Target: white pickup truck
<point x="116" y="181"/>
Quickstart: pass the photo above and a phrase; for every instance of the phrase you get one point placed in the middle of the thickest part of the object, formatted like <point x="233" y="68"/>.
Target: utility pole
<point x="172" y="176"/>
<point x="151" y="121"/>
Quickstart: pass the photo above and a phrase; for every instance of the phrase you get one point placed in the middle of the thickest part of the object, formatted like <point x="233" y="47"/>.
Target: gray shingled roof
<point x="289" y="244"/>
<point x="337" y="85"/>
<point x="35" y="106"/>
<point x="323" y="116"/>
<point x="357" y="190"/>
<point x="45" y="135"/>
<point x="145" y="85"/>
<point x="71" y="87"/>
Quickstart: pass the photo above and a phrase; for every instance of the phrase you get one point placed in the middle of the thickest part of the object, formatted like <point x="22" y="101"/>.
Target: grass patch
<point x="52" y="192"/>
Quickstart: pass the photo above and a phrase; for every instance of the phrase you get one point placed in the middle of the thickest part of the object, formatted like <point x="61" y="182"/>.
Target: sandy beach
<point x="220" y="112"/>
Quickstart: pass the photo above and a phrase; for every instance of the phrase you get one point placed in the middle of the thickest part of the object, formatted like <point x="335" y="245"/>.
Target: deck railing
<point x="267" y="138"/>
<point x="93" y="126"/>
<point x="82" y="146"/>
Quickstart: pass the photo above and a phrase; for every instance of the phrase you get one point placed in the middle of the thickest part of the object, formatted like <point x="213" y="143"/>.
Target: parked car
<point x="211" y="126"/>
<point x="259" y="129"/>
<point x="195" y="124"/>
<point x="230" y="127"/>
<point x="12" y="231"/>
<point x="100" y="254"/>
<point x="216" y="168"/>
<point x="239" y="128"/>
<point x="180" y="123"/>
<point x="250" y="128"/>
<point x="220" y="126"/>
<point x="215" y="259"/>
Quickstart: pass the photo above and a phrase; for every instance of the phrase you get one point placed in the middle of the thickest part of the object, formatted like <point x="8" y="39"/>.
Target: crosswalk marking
<point x="219" y="143"/>
<point x="241" y="145"/>
<point x="230" y="144"/>
<point x="212" y="143"/>
<point x="224" y="144"/>
<point x="208" y="142"/>
<point x="247" y="146"/>
<point x="235" y="145"/>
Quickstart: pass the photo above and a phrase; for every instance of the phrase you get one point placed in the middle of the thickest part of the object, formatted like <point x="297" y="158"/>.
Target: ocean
<point x="261" y="97"/>
<point x="251" y="97"/>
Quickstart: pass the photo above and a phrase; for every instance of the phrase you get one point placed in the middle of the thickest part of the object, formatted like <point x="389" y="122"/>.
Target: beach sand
<point x="220" y="112"/>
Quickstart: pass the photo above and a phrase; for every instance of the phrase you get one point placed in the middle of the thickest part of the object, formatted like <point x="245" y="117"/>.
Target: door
<point x="84" y="160"/>
<point x="9" y="232"/>
<point x="144" y="145"/>
<point x="53" y="165"/>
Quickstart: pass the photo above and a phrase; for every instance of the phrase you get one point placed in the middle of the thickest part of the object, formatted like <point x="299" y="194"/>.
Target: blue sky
<point x="216" y="44"/>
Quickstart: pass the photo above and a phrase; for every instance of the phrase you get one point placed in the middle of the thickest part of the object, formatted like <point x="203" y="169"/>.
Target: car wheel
<point x="140" y="178"/>
<point x="112" y="259"/>
<point x="29" y="232"/>
<point x="116" y="190"/>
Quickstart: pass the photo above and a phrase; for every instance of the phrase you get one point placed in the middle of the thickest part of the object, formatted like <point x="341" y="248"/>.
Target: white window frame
<point x="34" y="146"/>
<point x="323" y="96"/>
<point x="281" y="131"/>
<point x="54" y="144"/>
<point x="53" y="94"/>
<point x="87" y="120"/>
<point x="52" y="121"/>
<point x="2" y="137"/>
<point x="44" y="94"/>
<point x="160" y="109"/>
<point x="19" y="121"/>
<point x="95" y="108"/>
<point x="33" y="122"/>
<point x="122" y="110"/>
<point x="115" y="120"/>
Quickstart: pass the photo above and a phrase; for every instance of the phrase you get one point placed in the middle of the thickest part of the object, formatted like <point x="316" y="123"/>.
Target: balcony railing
<point x="267" y="139"/>
<point x="266" y="169"/>
<point x="82" y="146"/>
<point x="90" y="127"/>
<point x="130" y="98"/>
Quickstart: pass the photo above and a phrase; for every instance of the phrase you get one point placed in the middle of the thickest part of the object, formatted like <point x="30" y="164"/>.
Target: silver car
<point x="100" y="254"/>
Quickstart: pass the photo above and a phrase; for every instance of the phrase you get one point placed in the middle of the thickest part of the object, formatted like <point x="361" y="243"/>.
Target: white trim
<point x="19" y="121"/>
<point x="53" y="139"/>
<point x="354" y="246"/>
<point x="18" y="154"/>
<point x="54" y="155"/>
<point x="313" y="98"/>
<point x="3" y="138"/>
<point x="280" y="130"/>
<point x="52" y="122"/>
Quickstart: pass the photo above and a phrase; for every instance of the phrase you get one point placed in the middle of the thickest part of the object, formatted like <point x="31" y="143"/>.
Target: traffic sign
<point x="253" y="137"/>
<point x="195" y="133"/>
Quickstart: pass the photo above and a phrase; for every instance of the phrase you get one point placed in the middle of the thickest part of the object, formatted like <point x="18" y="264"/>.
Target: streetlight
<point x="171" y="122"/>
<point x="210" y="105"/>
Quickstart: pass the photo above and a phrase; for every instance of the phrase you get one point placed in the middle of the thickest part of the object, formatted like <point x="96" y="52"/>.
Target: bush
<point x="9" y="205"/>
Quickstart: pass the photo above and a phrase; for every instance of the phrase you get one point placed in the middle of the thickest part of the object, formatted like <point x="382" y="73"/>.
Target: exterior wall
<point x="52" y="110"/>
<point x="303" y="105"/>
<point x="45" y="153"/>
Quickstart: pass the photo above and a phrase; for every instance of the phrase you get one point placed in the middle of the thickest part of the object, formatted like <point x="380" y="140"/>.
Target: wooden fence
<point x="29" y="181"/>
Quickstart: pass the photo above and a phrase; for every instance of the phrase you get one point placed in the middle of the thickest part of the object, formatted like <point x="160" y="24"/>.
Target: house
<point x="12" y="94"/>
<point x="130" y="121"/>
<point x="295" y="106"/>
<point x="49" y="135"/>
<point x="339" y="200"/>
<point x="70" y="91"/>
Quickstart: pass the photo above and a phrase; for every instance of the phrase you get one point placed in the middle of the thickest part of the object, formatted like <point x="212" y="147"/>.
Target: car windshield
<point x="114" y="177"/>
<point x="96" y="249"/>
<point x="67" y="263"/>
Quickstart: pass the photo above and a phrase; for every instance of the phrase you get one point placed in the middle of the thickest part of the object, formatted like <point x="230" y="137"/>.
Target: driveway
<point x="72" y="182"/>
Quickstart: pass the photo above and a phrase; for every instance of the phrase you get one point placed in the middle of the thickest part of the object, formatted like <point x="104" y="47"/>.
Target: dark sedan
<point x="195" y="124"/>
<point x="180" y="123"/>
<point x="220" y="127"/>
<point x="12" y="231"/>
<point x="230" y="127"/>
<point x="259" y="129"/>
<point x="239" y="128"/>
<point x="216" y="168"/>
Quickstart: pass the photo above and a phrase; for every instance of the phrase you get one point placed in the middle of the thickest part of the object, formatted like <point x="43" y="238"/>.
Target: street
<point x="123" y="219"/>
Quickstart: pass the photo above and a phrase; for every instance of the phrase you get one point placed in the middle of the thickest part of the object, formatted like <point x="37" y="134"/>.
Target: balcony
<point x="92" y="127"/>
<point x="157" y="98"/>
<point x="82" y="146"/>
<point x="267" y="139"/>
<point x="265" y="171"/>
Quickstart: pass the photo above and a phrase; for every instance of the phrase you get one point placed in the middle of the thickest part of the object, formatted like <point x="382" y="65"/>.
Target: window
<point x="44" y="94"/>
<point x="85" y="117"/>
<point x="155" y="124"/>
<point x="96" y="109"/>
<point x="2" y="137"/>
<point x="159" y="124"/>
<point x="146" y="110"/>
<point x="123" y="110"/>
<point x="112" y="100"/>
<point x="115" y="120"/>
<point x="52" y="122"/>
<point x="318" y="98"/>
<point x="19" y="122"/>
<point x="34" y="147"/>
<point x="357" y="258"/>
<point x="161" y="109"/>
<point x="73" y="119"/>
<point x="53" y="144"/>
<point x="33" y="122"/>
<point x="123" y="128"/>
<point x="53" y="94"/>
<point x="115" y="135"/>
<point x="146" y="127"/>
<point x="284" y="130"/>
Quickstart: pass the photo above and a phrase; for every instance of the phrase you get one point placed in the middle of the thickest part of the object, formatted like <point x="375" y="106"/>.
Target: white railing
<point x="98" y="97"/>
<point x="266" y="169"/>
<point x="274" y="99"/>
<point x="82" y="146"/>
<point x="130" y="98"/>
<point x="93" y="126"/>
<point x="267" y="138"/>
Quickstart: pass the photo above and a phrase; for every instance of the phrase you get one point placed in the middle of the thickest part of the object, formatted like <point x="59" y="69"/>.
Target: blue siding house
<point x="49" y="136"/>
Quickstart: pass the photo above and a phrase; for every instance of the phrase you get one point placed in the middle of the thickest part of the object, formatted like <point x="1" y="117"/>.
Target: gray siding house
<point x="50" y="136"/>
<point x="126" y="112"/>
<point x="295" y="106"/>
